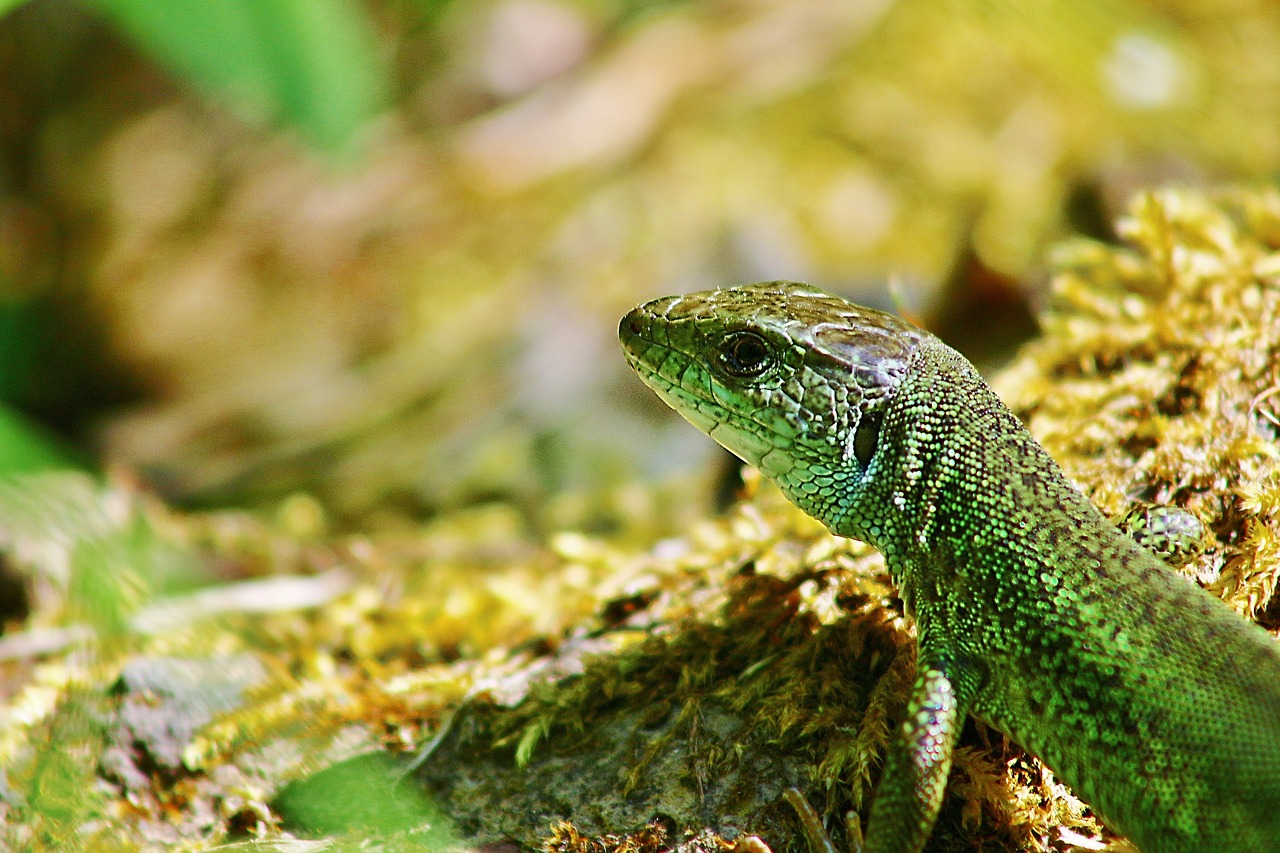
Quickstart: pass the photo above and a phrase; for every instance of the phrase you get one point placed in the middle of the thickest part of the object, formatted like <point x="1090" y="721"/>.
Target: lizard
<point x="1148" y="696"/>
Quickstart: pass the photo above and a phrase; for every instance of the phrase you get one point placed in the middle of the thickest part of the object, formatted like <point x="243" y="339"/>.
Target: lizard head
<point x="790" y="379"/>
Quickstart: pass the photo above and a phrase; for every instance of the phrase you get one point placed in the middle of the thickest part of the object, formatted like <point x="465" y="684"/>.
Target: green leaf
<point x="363" y="795"/>
<point x="6" y="5"/>
<point x="312" y="63"/>
<point x="25" y="448"/>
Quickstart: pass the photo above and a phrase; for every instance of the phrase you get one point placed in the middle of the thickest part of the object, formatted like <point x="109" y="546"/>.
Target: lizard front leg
<point x="916" y="768"/>
<point x="918" y="763"/>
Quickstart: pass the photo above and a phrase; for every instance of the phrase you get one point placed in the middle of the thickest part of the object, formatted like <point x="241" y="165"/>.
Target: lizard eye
<point x="744" y="355"/>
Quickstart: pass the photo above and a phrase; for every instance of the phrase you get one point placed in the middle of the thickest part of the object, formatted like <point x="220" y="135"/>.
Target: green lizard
<point x="1154" y="701"/>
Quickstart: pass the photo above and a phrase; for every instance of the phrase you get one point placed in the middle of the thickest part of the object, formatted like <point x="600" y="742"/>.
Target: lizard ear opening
<point x="866" y="436"/>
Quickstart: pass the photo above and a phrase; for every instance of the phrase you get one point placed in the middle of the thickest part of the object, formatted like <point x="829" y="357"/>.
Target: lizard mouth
<point x="658" y="364"/>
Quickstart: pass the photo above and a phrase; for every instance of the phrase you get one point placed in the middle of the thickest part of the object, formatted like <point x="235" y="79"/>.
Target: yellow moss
<point x="1155" y="374"/>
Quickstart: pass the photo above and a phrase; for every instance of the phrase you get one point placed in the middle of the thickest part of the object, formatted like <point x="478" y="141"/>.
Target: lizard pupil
<point x="744" y="354"/>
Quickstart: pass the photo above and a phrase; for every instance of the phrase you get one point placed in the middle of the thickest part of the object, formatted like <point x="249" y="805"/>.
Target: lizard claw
<point x="815" y="832"/>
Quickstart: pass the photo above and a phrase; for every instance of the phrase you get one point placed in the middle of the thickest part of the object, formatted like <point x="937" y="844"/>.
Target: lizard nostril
<point x="631" y="325"/>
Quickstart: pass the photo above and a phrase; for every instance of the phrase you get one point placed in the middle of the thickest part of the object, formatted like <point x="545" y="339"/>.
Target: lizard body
<point x="1153" y="700"/>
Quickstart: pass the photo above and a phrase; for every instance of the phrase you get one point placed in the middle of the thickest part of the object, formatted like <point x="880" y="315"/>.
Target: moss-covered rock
<point x="593" y="695"/>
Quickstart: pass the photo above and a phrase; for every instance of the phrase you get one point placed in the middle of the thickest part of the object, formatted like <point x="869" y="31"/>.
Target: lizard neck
<point x="957" y="478"/>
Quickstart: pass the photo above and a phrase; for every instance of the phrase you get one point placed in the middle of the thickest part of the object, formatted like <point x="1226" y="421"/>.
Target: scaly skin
<point x="1154" y="701"/>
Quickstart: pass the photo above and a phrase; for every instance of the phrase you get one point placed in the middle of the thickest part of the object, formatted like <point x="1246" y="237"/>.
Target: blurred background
<point x="374" y="251"/>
